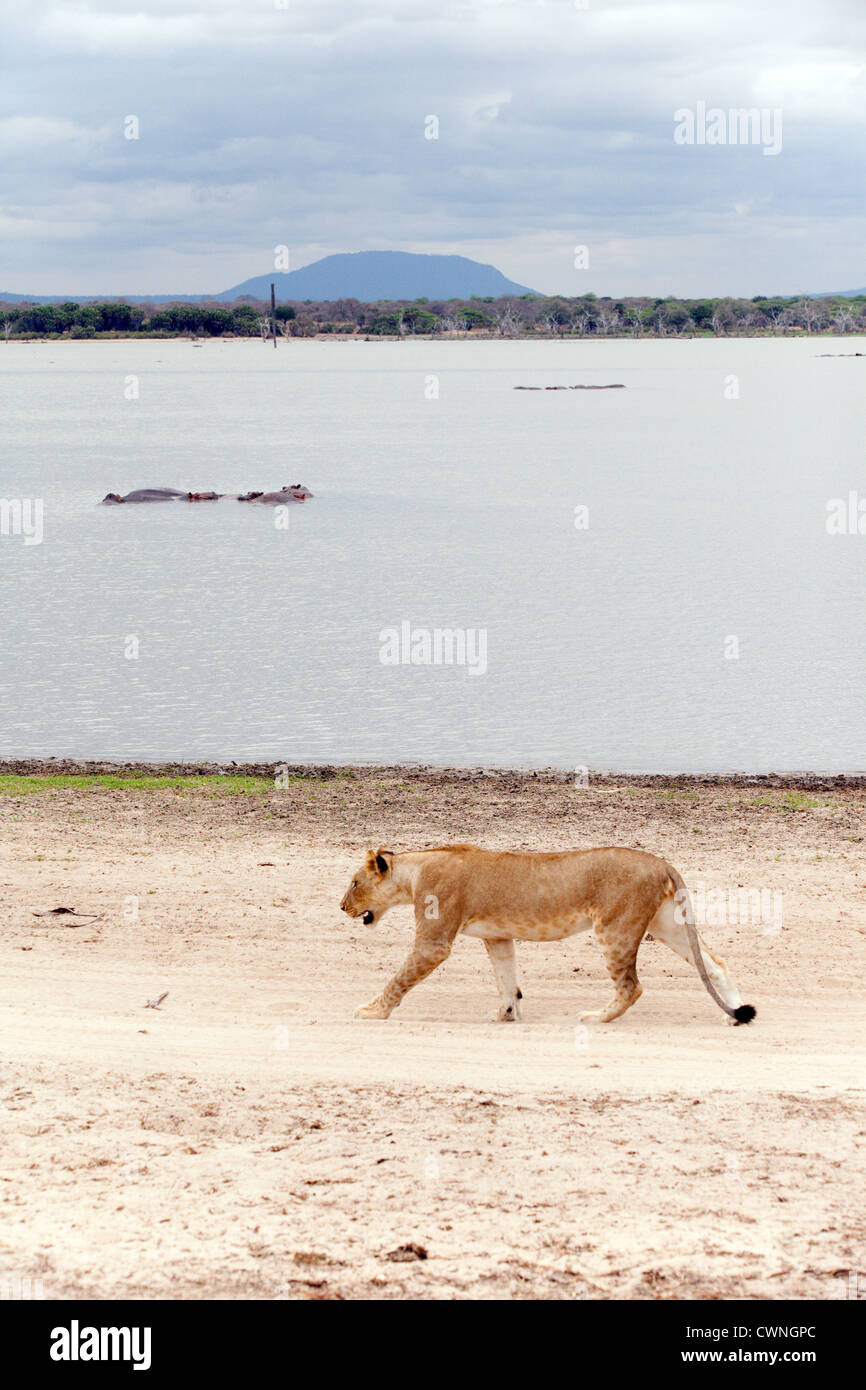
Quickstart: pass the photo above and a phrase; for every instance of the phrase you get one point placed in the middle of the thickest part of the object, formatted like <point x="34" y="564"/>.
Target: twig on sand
<point x="71" y="912"/>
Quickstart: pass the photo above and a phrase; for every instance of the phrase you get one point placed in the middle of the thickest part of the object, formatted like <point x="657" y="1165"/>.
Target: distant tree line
<point x="123" y="320"/>
<point x="508" y="317"/>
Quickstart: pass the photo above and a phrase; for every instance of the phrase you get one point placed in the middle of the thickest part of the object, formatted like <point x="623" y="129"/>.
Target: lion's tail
<point x="745" y="1013"/>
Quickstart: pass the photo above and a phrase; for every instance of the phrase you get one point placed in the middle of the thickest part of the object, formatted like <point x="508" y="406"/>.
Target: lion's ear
<point x="383" y="861"/>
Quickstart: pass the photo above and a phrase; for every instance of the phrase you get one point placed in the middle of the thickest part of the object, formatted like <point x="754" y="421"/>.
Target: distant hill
<point x="364" y="275"/>
<point x="839" y="294"/>
<point x="373" y="275"/>
<point x="6" y="298"/>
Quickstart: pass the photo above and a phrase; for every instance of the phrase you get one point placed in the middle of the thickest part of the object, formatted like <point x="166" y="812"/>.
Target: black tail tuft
<point x="744" y="1014"/>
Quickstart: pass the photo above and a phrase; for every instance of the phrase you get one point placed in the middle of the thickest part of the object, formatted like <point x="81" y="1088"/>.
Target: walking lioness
<point x="504" y="897"/>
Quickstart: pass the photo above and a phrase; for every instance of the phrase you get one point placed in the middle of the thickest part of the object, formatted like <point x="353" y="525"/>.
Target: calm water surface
<point x="606" y="646"/>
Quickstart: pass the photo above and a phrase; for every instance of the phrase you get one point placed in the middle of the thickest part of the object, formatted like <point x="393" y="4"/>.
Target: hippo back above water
<point x="146" y="494"/>
<point x="292" y="492"/>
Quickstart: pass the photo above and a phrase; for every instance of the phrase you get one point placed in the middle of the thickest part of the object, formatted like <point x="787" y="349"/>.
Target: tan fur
<point x="504" y="897"/>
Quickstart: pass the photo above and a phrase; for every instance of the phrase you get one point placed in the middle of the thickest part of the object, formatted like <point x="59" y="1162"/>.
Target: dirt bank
<point x="249" y="1139"/>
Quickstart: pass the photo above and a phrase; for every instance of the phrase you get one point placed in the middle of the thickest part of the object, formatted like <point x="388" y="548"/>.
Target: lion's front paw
<point x="508" y="1013"/>
<point x="375" y="1009"/>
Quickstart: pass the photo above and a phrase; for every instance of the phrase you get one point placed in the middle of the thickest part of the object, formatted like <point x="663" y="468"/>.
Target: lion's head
<point x="373" y="890"/>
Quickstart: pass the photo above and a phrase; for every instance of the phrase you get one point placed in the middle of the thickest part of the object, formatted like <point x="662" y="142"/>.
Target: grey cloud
<point x="305" y="126"/>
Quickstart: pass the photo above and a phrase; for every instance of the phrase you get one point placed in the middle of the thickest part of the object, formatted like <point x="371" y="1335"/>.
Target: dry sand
<point x="250" y="1140"/>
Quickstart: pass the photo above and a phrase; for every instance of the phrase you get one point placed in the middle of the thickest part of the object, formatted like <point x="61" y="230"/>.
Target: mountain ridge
<point x="368" y="276"/>
<point x="839" y="294"/>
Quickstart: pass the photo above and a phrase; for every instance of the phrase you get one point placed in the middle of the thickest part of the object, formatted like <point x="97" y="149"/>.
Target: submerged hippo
<point x="162" y="494"/>
<point x="293" y="492"/>
<point x="146" y="494"/>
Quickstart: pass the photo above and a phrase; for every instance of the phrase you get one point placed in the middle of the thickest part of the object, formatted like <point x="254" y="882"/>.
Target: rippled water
<point x="606" y="647"/>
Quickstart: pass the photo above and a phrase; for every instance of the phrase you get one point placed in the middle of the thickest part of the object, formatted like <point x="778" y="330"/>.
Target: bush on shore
<point x="509" y="317"/>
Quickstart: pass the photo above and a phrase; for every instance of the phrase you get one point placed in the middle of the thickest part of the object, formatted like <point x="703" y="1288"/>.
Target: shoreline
<point x="322" y="772"/>
<point x="455" y="337"/>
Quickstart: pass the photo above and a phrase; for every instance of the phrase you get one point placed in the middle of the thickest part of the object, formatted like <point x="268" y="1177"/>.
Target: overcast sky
<point x="305" y="126"/>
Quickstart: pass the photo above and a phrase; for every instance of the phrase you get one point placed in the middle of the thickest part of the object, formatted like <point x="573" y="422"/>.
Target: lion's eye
<point x="354" y="883"/>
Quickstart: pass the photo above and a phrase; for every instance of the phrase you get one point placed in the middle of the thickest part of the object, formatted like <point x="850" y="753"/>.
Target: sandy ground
<point x="250" y="1140"/>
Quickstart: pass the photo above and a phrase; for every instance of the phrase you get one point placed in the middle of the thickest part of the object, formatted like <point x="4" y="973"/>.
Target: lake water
<point x="608" y="646"/>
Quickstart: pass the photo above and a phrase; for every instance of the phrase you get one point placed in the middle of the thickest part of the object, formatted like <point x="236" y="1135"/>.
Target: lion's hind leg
<point x="619" y="940"/>
<point x="504" y="962"/>
<point x="668" y="927"/>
